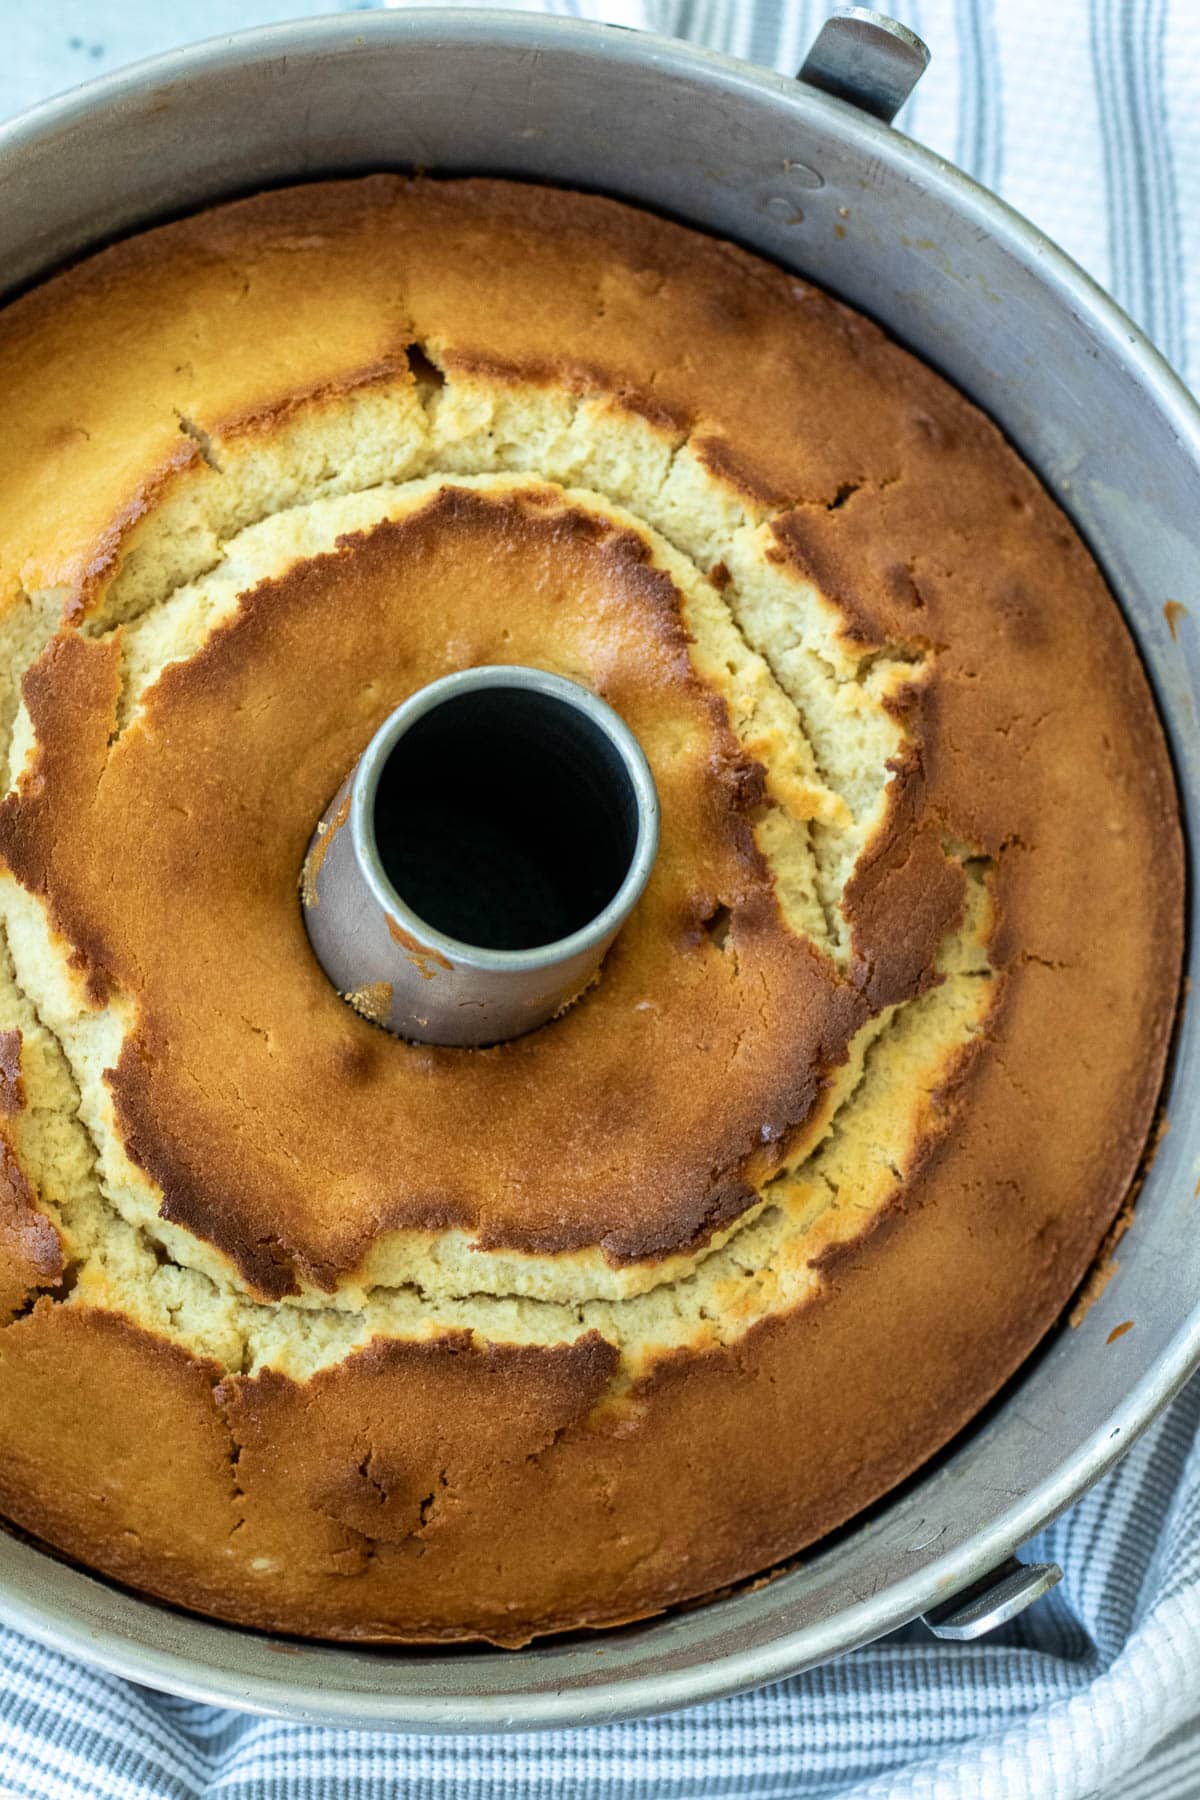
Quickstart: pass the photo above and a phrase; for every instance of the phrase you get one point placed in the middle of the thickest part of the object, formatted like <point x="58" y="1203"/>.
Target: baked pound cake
<point x="315" y="1329"/>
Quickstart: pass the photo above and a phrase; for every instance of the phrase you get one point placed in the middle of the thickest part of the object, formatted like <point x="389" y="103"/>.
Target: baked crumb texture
<point x="316" y="1330"/>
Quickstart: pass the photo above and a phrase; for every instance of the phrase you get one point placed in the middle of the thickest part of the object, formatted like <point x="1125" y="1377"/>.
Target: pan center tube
<point x="466" y="881"/>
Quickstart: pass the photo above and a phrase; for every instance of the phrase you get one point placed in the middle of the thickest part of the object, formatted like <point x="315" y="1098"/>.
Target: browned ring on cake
<point x="780" y="1201"/>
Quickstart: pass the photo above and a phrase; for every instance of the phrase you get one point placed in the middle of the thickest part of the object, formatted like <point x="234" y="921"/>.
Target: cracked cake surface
<point x="313" y="1329"/>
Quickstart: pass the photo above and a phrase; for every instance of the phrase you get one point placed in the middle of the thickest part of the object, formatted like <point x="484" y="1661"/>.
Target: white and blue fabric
<point x="1085" y="115"/>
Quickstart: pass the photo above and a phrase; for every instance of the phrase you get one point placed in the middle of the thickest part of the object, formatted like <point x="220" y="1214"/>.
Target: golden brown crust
<point x="30" y="1250"/>
<point x="12" y="1081"/>
<point x="452" y="1487"/>
<point x="439" y="1491"/>
<point x="142" y="1489"/>
<point x="239" y="995"/>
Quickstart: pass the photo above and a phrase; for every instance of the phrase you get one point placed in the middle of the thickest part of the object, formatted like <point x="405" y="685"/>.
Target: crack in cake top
<point x="293" y="1135"/>
<point x="814" y="612"/>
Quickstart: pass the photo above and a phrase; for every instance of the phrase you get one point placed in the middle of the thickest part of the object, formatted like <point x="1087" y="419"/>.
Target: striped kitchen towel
<point x="1084" y="114"/>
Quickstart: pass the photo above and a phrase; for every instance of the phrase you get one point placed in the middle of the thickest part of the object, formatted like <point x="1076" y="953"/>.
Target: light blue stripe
<point x="1142" y="203"/>
<point x="1159" y="158"/>
<point x="1114" y="135"/>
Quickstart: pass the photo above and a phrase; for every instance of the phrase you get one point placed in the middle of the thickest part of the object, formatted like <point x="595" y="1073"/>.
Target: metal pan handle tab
<point x="993" y="1601"/>
<point x="868" y="59"/>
